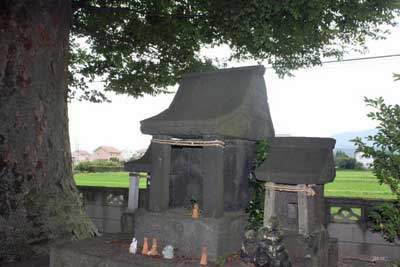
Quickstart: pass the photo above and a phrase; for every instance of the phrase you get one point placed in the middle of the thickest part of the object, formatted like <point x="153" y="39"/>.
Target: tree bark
<point x="39" y="201"/>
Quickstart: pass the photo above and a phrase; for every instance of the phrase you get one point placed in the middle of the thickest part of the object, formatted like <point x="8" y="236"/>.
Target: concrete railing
<point x="105" y="205"/>
<point x="347" y="220"/>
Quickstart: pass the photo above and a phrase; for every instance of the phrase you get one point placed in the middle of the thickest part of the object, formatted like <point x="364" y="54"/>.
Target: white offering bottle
<point x="133" y="246"/>
<point x="168" y="252"/>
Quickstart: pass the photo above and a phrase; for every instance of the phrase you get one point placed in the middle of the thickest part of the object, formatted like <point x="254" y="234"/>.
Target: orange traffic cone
<point x="196" y="211"/>
<point x="154" y="248"/>
<point x="203" y="259"/>
<point x="145" y="249"/>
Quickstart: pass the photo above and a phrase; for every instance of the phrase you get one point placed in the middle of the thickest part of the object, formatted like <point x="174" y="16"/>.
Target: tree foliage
<point x="99" y="166"/>
<point x="141" y="47"/>
<point x="385" y="151"/>
<point x="255" y="208"/>
<point x="344" y="162"/>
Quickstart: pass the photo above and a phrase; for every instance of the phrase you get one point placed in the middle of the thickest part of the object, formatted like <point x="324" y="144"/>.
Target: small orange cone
<point x="196" y="211"/>
<point x="154" y="248"/>
<point x="145" y="249"/>
<point x="203" y="259"/>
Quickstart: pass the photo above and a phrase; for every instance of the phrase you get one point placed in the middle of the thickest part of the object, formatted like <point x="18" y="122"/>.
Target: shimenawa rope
<point x="186" y="142"/>
<point x="306" y="188"/>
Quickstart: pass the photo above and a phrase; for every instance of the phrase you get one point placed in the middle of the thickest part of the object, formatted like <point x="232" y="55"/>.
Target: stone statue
<point x="265" y="248"/>
<point x="249" y="246"/>
<point x="271" y="251"/>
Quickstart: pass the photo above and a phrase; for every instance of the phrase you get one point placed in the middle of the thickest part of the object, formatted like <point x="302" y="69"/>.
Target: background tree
<point x="344" y="162"/>
<point x="136" y="47"/>
<point x="385" y="151"/>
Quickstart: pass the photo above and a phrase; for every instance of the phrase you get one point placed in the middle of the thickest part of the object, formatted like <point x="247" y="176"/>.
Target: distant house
<point x="106" y="153"/>
<point x="79" y="156"/>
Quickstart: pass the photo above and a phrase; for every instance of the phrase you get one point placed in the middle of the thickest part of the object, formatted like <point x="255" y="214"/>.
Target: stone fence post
<point x="133" y="200"/>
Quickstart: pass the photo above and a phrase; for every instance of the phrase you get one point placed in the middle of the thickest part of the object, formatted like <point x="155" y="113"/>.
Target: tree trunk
<point x="39" y="201"/>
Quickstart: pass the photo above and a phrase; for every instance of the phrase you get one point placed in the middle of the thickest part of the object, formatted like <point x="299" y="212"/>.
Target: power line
<point x="352" y="59"/>
<point x="331" y="61"/>
<point x="360" y="58"/>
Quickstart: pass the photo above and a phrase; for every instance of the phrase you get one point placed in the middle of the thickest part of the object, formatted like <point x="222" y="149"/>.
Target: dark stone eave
<point x="298" y="160"/>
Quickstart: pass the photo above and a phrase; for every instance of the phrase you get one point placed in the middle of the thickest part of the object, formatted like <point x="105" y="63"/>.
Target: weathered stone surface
<point x="159" y="183"/>
<point x="284" y="206"/>
<point x="313" y="251"/>
<point x="238" y="162"/>
<point x="100" y="252"/>
<point x="222" y="236"/>
<point x="298" y="160"/>
<point x="213" y="182"/>
<point x="229" y="102"/>
<point x="189" y="169"/>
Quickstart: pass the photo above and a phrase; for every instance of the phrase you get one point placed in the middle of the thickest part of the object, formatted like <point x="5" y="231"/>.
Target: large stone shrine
<point x="202" y="150"/>
<point x="295" y="171"/>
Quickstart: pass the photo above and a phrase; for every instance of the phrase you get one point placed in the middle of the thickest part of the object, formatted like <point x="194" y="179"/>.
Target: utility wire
<point x="353" y="59"/>
<point x="331" y="61"/>
<point x="360" y="58"/>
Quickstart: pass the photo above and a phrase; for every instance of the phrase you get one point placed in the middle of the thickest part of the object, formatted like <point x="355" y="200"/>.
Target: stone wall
<point x="346" y="218"/>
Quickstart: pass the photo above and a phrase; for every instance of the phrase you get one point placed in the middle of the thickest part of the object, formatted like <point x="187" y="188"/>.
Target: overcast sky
<point x="319" y="101"/>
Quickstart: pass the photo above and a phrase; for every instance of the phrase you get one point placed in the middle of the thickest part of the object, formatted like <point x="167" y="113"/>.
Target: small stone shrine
<point x="202" y="151"/>
<point x="295" y="171"/>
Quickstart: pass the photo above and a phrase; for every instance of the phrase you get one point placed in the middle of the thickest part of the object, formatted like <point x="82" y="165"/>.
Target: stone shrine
<point x="295" y="171"/>
<point x="202" y="151"/>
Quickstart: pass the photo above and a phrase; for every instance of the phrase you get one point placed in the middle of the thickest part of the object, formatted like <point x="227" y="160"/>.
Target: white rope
<point x="186" y="142"/>
<point x="306" y="188"/>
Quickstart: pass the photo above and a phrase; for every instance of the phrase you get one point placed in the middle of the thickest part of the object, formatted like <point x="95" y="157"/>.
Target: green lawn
<point x="106" y="179"/>
<point x="347" y="183"/>
<point x="361" y="184"/>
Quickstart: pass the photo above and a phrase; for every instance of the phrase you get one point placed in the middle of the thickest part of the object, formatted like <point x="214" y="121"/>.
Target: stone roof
<point x="140" y="165"/>
<point x="228" y="102"/>
<point x="298" y="160"/>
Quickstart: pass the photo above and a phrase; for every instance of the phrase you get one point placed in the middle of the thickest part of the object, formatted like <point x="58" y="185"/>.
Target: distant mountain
<point x="343" y="140"/>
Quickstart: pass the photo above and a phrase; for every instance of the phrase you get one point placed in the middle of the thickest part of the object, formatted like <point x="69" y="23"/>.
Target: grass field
<point x="106" y="179"/>
<point x="361" y="184"/>
<point x="347" y="183"/>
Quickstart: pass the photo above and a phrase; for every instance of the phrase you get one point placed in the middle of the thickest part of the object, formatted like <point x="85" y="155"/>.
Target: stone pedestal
<point x="316" y="250"/>
<point x="113" y="251"/>
<point x="222" y="236"/>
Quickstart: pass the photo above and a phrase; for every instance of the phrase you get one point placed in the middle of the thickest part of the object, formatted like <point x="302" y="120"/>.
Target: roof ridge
<point x="260" y="68"/>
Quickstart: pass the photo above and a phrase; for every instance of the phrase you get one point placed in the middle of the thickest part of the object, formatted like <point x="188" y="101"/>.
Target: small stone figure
<point x="154" y="248"/>
<point x="270" y="250"/>
<point x="168" y="252"/>
<point x="265" y="249"/>
<point x="133" y="246"/>
<point x="249" y="246"/>
<point x="145" y="250"/>
<point x="204" y="258"/>
<point x="196" y="211"/>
